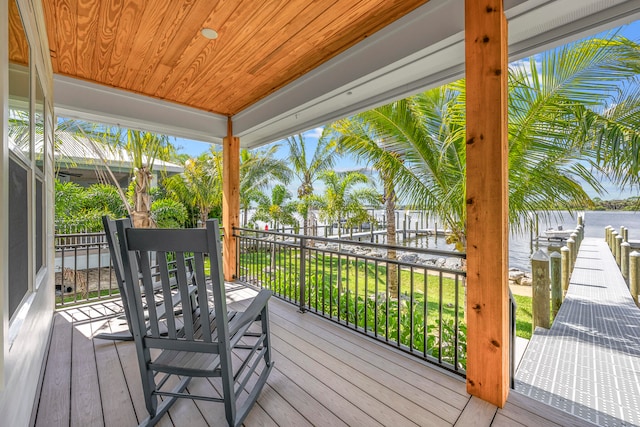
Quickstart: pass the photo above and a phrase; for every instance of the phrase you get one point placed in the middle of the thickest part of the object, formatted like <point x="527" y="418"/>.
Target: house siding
<point x="24" y="334"/>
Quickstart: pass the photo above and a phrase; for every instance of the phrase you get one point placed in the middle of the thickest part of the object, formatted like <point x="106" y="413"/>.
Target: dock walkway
<point x="588" y="363"/>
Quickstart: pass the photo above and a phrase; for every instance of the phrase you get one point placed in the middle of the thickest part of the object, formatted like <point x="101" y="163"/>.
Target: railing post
<point x="540" y="270"/>
<point x="607" y="230"/>
<point x="555" y="265"/>
<point x="571" y="244"/>
<point x="625" y="248"/>
<point x="634" y="274"/>
<point x="625" y="236"/>
<point x="565" y="254"/>
<point x="618" y="242"/>
<point x="303" y="274"/>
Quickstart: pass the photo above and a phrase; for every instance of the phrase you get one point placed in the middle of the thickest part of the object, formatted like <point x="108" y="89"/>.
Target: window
<point x="20" y="160"/>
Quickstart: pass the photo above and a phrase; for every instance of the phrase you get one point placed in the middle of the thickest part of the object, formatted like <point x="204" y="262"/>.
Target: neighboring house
<point x="76" y="160"/>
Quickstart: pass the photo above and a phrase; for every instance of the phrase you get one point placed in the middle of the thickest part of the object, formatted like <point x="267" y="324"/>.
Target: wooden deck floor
<point x="324" y="375"/>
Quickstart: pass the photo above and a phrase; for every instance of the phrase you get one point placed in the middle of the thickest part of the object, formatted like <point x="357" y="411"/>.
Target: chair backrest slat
<point x="217" y="280"/>
<point x="202" y="295"/>
<point x="116" y="258"/>
<point x="147" y="283"/>
<point x="166" y="290"/>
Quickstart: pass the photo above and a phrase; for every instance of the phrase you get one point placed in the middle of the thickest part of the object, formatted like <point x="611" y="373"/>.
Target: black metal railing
<point x="410" y="298"/>
<point x="83" y="271"/>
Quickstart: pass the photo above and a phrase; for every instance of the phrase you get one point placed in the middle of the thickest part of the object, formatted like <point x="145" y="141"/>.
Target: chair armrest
<point x="251" y="313"/>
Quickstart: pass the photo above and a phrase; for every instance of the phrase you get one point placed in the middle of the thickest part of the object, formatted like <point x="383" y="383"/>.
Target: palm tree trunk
<point x="390" y="208"/>
<point x="142" y="207"/>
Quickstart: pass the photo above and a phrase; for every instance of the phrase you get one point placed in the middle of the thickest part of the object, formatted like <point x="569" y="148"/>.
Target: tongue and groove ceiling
<point x="277" y="66"/>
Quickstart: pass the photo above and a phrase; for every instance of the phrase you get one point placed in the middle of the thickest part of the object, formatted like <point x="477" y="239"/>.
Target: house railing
<point x="83" y="271"/>
<point x="344" y="281"/>
<point x="354" y="284"/>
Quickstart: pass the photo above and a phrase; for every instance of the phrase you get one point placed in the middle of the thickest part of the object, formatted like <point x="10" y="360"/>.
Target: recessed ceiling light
<point x="209" y="33"/>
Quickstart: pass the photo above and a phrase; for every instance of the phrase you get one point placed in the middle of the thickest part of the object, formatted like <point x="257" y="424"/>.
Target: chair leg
<point x="228" y="388"/>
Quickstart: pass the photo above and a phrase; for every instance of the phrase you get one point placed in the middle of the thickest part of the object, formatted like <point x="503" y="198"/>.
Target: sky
<point x="194" y="148"/>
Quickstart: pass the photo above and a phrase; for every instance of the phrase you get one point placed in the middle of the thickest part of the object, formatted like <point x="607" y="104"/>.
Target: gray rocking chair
<point x="207" y="339"/>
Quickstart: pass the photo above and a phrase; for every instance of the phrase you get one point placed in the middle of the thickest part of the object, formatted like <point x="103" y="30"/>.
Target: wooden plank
<point x="239" y="31"/>
<point x="502" y="421"/>
<point x="477" y="413"/>
<point x="230" y="199"/>
<point x="358" y="391"/>
<point x="355" y="366"/>
<point x="123" y="41"/>
<point x="87" y="37"/>
<point x="86" y="404"/>
<point x="406" y="402"/>
<point x="116" y="402"/>
<point x="66" y="34"/>
<point x="129" y="361"/>
<point x="419" y="374"/>
<point x="531" y="412"/>
<point x="108" y="27"/>
<point x="53" y="407"/>
<point x="487" y="201"/>
<point x="18" y="46"/>
<point x="302" y="401"/>
<point x="299" y="372"/>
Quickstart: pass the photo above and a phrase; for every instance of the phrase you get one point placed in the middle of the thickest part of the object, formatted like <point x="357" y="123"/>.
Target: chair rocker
<point x="207" y="341"/>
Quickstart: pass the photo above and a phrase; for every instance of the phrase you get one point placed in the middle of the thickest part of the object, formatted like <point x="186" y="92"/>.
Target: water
<point x="520" y="248"/>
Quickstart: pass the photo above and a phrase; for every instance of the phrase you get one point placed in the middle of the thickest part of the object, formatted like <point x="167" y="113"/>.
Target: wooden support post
<point x="617" y="244"/>
<point x="487" y="201"/>
<point x="540" y="285"/>
<point x="612" y="242"/>
<point x="230" y="199"/>
<point x="625" y="236"/>
<point x="607" y="230"/>
<point x="571" y="244"/>
<point x="555" y="268"/>
<point x="625" y="249"/>
<point x="565" y="254"/>
<point x="634" y="274"/>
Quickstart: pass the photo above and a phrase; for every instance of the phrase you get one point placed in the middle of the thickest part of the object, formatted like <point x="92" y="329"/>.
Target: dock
<point x="588" y="363"/>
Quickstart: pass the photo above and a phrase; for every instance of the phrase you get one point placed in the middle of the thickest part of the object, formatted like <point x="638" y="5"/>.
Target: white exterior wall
<point x="24" y="336"/>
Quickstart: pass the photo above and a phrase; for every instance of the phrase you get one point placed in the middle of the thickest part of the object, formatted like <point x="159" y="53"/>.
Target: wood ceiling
<point x="155" y="48"/>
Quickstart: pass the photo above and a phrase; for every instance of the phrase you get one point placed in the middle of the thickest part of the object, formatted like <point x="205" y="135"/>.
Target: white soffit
<point x="422" y="50"/>
<point x="78" y="99"/>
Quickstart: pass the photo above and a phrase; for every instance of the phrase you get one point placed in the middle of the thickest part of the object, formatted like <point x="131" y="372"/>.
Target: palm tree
<point x="278" y="209"/>
<point x="200" y="185"/>
<point x="308" y="171"/>
<point x="258" y="170"/>
<point x="343" y="201"/>
<point x="553" y="108"/>
<point x="144" y="148"/>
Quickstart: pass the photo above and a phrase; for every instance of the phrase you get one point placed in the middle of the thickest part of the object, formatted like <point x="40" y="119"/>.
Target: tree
<point x="258" y="170"/>
<point x="144" y="148"/>
<point x="278" y="209"/>
<point x="555" y="104"/>
<point x="200" y="185"/>
<point x="308" y="171"/>
<point x="343" y="201"/>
